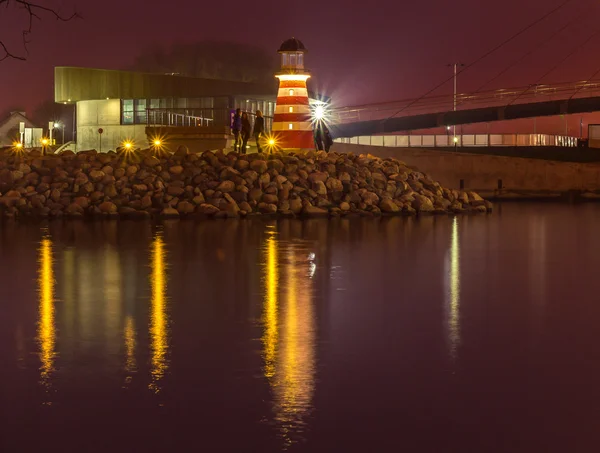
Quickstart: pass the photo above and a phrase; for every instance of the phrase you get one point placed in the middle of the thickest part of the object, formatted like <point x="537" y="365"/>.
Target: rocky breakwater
<point x="220" y="185"/>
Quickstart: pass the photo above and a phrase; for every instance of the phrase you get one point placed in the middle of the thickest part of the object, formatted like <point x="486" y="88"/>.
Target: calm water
<point x="468" y="334"/>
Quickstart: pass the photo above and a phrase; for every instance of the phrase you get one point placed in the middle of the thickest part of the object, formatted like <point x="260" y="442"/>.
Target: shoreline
<point x="149" y="185"/>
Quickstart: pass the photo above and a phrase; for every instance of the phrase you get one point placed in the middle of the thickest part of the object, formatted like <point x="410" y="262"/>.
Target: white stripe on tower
<point x="299" y="92"/>
<point x="296" y="126"/>
<point x="296" y="108"/>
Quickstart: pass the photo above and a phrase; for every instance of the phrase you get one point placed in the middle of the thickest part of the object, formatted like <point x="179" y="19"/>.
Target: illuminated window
<point x="293" y="60"/>
<point x="290" y="126"/>
<point x="300" y="59"/>
<point x="127" y="111"/>
<point x="291" y="109"/>
<point x="140" y="111"/>
<point x="291" y="92"/>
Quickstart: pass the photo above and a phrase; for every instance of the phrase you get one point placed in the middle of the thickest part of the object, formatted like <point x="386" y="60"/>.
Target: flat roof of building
<point x="72" y="84"/>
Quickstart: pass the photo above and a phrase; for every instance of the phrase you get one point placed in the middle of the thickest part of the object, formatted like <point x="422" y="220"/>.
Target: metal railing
<point x="473" y="140"/>
<point x="196" y="117"/>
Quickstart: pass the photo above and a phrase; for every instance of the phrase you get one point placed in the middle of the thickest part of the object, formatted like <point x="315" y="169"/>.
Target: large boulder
<point x="267" y="208"/>
<point x="207" y="209"/>
<point x="334" y="185"/>
<point x="169" y="212"/>
<point x="314" y="211"/>
<point x="422" y="204"/>
<point x="318" y="176"/>
<point x="226" y="187"/>
<point x="151" y="161"/>
<point x="319" y="188"/>
<point x="270" y="198"/>
<point x="108" y="207"/>
<point x="97" y="175"/>
<point x="296" y="205"/>
<point x="175" y="191"/>
<point x="388" y="206"/>
<point x="259" y="166"/>
<point x="176" y="170"/>
<point x="185" y="207"/>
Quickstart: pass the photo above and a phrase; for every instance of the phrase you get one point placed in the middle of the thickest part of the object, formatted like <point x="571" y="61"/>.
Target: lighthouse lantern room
<point x="292" y="119"/>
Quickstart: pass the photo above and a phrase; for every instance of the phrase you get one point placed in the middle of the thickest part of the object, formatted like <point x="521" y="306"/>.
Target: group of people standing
<point x="323" y="138"/>
<point x="243" y="130"/>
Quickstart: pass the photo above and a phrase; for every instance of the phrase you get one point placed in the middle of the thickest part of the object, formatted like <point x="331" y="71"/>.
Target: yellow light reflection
<point x="158" y="321"/>
<point x="454" y="291"/>
<point x="46" y="328"/>
<point x="295" y="377"/>
<point x="289" y="338"/>
<point x="270" y="307"/>
<point x="129" y="337"/>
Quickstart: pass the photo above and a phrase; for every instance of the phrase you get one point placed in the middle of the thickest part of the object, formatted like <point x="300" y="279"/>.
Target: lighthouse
<point x="292" y="120"/>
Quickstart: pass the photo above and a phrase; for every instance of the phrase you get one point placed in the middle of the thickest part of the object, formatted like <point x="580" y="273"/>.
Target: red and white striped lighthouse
<point x="292" y="120"/>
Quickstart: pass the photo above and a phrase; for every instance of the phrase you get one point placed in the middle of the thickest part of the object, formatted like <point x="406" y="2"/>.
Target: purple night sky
<point x="359" y="53"/>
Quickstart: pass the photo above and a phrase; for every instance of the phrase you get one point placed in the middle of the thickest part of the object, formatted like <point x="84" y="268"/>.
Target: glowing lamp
<point x="56" y="125"/>
<point x="45" y="141"/>
<point x="271" y="142"/>
<point x="128" y="145"/>
<point x="157" y="142"/>
<point x="319" y="112"/>
<point x="455" y="139"/>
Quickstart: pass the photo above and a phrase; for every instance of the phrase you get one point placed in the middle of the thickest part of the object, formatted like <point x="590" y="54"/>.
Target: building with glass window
<point x="114" y="106"/>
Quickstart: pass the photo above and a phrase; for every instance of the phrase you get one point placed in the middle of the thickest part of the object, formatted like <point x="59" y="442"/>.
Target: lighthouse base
<point x="294" y="140"/>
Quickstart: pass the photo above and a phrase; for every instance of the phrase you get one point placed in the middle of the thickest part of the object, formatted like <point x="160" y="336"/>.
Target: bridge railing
<point x="444" y="103"/>
<point x="475" y="140"/>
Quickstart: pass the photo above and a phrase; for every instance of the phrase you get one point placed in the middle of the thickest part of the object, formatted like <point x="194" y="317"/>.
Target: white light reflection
<point x="312" y="266"/>
<point x="453" y="291"/>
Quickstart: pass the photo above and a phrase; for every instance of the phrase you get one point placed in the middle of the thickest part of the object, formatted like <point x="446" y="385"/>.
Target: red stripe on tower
<point x="292" y="121"/>
<point x="292" y="84"/>
<point x="292" y="100"/>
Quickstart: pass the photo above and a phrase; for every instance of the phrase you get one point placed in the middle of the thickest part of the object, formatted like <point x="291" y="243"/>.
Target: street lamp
<point x="455" y="65"/>
<point x="58" y="125"/>
<point x="45" y="143"/>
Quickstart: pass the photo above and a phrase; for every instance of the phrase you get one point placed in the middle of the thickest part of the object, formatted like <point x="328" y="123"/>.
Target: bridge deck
<point x="581" y="97"/>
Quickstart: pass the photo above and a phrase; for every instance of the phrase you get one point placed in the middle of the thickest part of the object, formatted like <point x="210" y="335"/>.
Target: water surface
<point x="454" y="334"/>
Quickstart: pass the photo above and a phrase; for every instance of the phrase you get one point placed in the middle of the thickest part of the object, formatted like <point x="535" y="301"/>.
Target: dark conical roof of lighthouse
<point x="292" y="45"/>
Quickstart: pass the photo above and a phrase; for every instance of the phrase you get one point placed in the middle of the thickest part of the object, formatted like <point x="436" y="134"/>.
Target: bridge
<point x="482" y="107"/>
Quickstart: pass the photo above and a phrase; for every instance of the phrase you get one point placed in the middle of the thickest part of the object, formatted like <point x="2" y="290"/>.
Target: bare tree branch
<point x="34" y="11"/>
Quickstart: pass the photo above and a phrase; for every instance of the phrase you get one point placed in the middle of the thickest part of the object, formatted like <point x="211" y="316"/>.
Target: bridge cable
<point x="536" y="48"/>
<point x="485" y="55"/>
<point x="553" y="68"/>
<point x="584" y="84"/>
